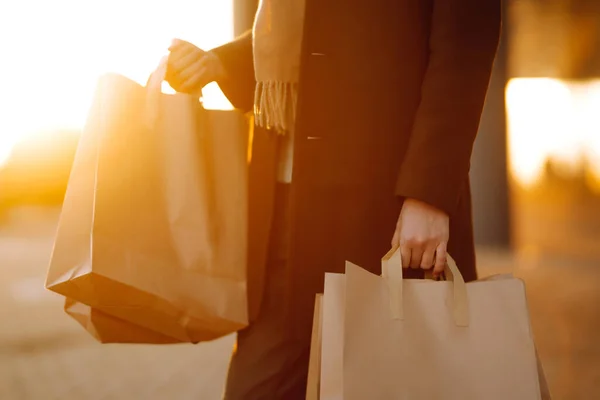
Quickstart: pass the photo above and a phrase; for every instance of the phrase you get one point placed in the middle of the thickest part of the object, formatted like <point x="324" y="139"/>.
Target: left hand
<point x="191" y="68"/>
<point x="422" y="233"/>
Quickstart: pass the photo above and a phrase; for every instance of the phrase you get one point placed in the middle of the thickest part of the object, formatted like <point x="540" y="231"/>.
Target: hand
<point x="422" y="234"/>
<point x="190" y="68"/>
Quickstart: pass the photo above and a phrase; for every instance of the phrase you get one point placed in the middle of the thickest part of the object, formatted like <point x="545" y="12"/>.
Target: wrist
<point x="410" y="202"/>
<point x="220" y="74"/>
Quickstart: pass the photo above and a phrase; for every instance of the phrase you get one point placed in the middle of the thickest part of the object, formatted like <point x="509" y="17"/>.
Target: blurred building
<point x="553" y="100"/>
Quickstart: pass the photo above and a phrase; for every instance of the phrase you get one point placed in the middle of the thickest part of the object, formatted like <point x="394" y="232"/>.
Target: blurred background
<point x="535" y="176"/>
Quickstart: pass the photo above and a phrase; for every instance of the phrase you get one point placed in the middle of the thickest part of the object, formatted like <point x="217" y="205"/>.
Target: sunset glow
<point x="55" y="51"/>
<point x="549" y="119"/>
<point x="55" y="55"/>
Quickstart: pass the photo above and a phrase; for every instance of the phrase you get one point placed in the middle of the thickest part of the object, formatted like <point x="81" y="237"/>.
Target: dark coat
<point x="393" y="91"/>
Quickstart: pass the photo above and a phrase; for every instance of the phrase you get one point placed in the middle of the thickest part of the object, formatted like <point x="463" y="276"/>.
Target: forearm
<point x="463" y="42"/>
<point x="238" y="62"/>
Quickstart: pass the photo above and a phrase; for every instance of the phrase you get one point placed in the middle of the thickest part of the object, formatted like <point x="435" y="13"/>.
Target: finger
<point x="193" y="69"/>
<point x="180" y="63"/>
<point x="440" y="259"/>
<point x="180" y="51"/>
<point x="175" y="43"/>
<point x="406" y="254"/>
<point x="178" y="44"/>
<point x="416" y="254"/>
<point x="396" y="239"/>
<point x="427" y="259"/>
<point x="196" y="81"/>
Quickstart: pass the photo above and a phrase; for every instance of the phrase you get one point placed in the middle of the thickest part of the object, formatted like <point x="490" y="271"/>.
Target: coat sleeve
<point x="463" y="41"/>
<point x="238" y="62"/>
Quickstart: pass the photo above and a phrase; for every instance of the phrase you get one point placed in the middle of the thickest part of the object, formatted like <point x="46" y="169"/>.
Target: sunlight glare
<point x="549" y="119"/>
<point x="58" y="52"/>
<point x="590" y="125"/>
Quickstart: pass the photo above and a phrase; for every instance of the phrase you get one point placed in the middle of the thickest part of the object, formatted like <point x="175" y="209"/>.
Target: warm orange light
<point x="55" y="51"/>
<point x="549" y="119"/>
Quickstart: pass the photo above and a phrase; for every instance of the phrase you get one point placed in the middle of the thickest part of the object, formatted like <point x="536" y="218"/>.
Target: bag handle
<point x="156" y="78"/>
<point x="154" y="90"/>
<point x="391" y="271"/>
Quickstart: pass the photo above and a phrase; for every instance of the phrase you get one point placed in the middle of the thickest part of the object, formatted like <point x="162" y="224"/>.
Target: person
<point x="366" y="113"/>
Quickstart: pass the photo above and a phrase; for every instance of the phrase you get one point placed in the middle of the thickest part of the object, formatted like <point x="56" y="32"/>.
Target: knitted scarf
<point x="277" y="41"/>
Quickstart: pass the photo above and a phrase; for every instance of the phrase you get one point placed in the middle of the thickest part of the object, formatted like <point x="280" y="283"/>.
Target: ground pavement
<point x="44" y="355"/>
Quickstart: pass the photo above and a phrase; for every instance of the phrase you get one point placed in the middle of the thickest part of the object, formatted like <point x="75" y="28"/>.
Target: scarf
<point x="277" y="42"/>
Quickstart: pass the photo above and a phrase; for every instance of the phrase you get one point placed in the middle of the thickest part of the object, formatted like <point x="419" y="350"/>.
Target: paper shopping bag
<point x="332" y="339"/>
<point x="419" y="339"/>
<point x="314" y="362"/>
<point x="107" y="329"/>
<point x="153" y="228"/>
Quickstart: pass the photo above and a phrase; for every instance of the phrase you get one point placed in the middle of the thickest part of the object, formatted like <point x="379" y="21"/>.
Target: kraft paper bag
<point x="332" y="337"/>
<point x="314" y="362"/>
<point x="388" y="338"/>
<point x="154" y="221"/>
<point x="107" y="329"/>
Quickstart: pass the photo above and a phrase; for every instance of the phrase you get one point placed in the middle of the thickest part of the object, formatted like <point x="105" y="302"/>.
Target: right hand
<point x="422" y="233"/>
<point x="190" y="68"/>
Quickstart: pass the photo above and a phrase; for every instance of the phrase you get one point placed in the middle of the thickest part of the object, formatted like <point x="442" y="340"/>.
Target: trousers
<point x="269" y="362"/>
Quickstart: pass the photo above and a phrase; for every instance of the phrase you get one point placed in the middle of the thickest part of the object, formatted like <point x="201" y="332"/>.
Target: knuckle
<point x="420" y="241"/>
<point x="409" y="242"/>
<point x="437" y="237"/>
<point x="177" y="66"/>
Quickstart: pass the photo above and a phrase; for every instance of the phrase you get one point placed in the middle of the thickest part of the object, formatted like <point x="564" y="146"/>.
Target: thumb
<point x="396" y="240"/>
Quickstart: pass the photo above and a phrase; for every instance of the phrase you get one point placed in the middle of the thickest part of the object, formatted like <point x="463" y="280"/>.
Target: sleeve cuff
<point x="440" y="196"/>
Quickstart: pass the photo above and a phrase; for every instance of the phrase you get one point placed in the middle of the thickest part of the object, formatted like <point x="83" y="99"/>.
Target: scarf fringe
<point x="275" y="105"/>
